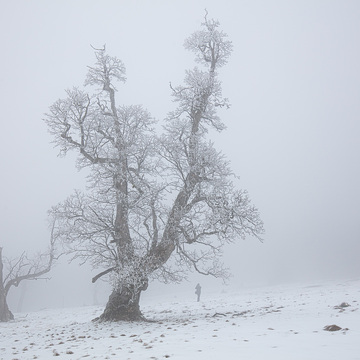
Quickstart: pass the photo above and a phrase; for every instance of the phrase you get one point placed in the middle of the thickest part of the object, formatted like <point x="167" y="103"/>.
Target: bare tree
<point x="157" y="204"/>
<point x="14" y="271"/>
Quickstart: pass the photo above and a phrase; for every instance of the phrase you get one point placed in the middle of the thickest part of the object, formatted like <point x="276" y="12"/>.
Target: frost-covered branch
<point x="29" y="268"/>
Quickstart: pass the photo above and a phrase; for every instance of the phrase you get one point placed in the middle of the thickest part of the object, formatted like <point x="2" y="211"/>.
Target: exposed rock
<point x="342" y="306"/>
<point x="332" y="328"/>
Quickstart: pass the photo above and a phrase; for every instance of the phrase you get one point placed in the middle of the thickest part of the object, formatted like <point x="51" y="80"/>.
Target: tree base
<point x="5" y="314"/>
<point x="122" y="306"/>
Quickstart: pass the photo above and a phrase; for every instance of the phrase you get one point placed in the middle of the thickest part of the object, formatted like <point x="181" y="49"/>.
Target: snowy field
<point x="283" y="322"/>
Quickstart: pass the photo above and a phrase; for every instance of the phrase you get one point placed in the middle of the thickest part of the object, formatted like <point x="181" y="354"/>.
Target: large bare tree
<point x="156" y="204"/>
<point x="14" y="271"/>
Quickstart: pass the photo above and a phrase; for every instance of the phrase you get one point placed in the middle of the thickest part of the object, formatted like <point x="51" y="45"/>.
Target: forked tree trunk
<point x="123" y="305"/>
<point x="5" y="313"/>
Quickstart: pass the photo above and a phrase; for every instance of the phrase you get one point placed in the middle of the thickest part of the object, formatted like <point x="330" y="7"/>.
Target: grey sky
<point x="293" y="132"/>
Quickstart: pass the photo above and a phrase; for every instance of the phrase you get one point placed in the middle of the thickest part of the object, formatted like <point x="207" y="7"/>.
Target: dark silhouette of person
<point x="198" y="291"/>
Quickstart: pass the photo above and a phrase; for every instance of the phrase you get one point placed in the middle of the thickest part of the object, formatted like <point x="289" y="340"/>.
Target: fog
<point x="293" y="130"/>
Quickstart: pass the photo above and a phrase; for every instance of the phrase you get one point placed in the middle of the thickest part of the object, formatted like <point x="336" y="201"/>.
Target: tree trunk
<point x="5" y="313"/>
<point x="123" y="305"/>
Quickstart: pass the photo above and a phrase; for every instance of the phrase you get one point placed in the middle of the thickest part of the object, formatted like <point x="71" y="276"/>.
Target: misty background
<point x="293" y="130"/>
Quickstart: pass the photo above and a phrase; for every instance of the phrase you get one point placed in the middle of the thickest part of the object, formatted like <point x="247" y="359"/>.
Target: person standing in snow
<point x="198" y="291"/>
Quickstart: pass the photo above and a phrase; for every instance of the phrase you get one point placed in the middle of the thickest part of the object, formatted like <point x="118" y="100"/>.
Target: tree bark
<point x="5" y="313"/>
<point x="123" y="305"/>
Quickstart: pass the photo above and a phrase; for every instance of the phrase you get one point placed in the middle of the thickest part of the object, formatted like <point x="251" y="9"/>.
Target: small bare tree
<point x="14" y="271"/>
<point x="157" y="203"/>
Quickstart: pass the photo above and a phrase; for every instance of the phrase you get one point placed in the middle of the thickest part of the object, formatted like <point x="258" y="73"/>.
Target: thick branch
<point x="98" y="276"/>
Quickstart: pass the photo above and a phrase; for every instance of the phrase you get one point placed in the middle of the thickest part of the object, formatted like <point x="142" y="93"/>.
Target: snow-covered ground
<point x="283" y="322"/>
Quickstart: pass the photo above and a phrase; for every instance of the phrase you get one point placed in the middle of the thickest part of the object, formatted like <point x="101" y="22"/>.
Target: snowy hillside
<point x="284" y="322"/>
